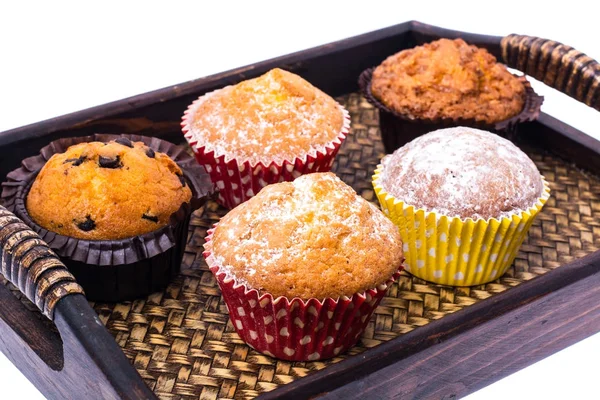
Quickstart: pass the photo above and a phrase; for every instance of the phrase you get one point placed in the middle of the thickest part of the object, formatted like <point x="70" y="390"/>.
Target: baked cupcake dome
<point x="462" y="172"/>
<point x="264" y="130"/>
<point x="448" y="79"/>
<point x="106" y="191"/>
<point x="274" y="117"/>
<point x="446" y="83"/>
<point x="467" y="199"/>
<point x="116" y="269"/>
<point x="303" y="265"/>
<point x="311" y="238"/>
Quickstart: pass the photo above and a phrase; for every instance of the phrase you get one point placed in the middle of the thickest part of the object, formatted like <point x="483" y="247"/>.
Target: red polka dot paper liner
<point x="238" y="180"/>
<point x="296" y="329"/>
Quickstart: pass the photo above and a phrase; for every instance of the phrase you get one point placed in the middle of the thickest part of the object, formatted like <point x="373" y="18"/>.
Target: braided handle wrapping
<point x="559" y="66"/>
<point x="28" y="263"/>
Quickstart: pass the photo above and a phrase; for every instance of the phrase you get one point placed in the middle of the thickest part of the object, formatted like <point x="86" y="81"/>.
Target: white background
<point x="60" y="58"/>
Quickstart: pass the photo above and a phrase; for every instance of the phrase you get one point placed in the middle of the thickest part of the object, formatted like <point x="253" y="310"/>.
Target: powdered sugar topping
<point x="278" y="116"/>
<point x="462" y="172"/>
<point x="307" y="236"/>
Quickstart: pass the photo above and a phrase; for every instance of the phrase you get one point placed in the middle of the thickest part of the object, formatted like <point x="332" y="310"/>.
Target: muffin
<point x="303" y="265"/>
<point x="115" y="209"/>
<point x="264" y="130"/>
<point x="446" y="83"/>
<point x="463" y="199"/>
<point x="107" y="191"/>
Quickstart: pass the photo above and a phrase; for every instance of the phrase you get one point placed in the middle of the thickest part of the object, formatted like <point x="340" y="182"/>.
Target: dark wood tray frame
<point x="449" y="357"/>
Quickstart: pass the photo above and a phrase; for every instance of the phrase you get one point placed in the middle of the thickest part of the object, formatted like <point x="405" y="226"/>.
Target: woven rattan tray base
<point x="184" y="347"/>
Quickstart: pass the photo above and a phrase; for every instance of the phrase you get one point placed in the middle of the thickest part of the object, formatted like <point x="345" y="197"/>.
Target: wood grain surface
<point x="50" y="353"/>
<point x="78" y="360"/>
<point x="464" y="351"/>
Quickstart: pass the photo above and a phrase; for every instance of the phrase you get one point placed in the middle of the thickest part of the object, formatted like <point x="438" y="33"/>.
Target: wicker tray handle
<point x="29" y="264"/>
<point x="559" y="66"/>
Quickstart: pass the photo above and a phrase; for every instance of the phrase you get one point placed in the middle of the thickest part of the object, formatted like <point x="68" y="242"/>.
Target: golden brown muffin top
<point x="448" y="79"/>
<point x="463" y="172"/>
<point x="273" y="117"/>
<point x="311" y="238"/>
<point x="107" y="191"/>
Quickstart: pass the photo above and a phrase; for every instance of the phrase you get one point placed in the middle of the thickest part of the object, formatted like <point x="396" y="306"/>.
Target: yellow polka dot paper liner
<point x="454" y="251"/>
<point x="237" y="180"/>
<point x="295" y="329"/>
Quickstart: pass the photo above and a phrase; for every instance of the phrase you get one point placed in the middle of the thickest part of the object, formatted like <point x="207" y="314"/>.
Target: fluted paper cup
<point x="454" y="251"/>
<point x="121" y="269"/>
<point x="295" y="329"/>
<point x="398" y="129"/>
<point x="238" y="179"/>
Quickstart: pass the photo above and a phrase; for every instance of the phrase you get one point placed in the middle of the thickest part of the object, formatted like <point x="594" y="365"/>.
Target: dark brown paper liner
<point x="398" y="129"/>
<point x="115" y="270"/>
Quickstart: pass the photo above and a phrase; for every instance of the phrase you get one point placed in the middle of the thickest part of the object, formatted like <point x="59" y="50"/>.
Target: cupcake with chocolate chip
<point x="107" y="191"/>
<point x="111" y="207"/>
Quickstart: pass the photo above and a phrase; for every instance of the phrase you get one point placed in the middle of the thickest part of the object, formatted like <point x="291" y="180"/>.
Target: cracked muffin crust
<point x="448" y="79"/>
<point x="310" y="238"/>
<point x="277" y="116"/>
<point x="107" y="191"/>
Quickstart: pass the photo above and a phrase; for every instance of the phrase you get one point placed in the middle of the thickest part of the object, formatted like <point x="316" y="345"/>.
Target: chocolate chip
<point x="112" y="163"/>
<point x="124" y="141"/>
<point x="76" y="161"/>
<point x="86" y="225"/>
<point x="149" y="217"/>
<point x="150" y="153"/>
<point x="182" y="180"/>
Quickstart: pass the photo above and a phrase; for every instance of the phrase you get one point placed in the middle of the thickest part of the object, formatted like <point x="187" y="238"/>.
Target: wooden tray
<point x="425" y="340"/>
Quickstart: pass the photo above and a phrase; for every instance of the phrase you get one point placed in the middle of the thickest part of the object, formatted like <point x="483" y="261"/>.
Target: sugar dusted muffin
<point x="277" y="116"/>
<point x="311" y="238"/>
<point x="303" y="265"/>
<point x="106" y="191"/>
<point x="463" y="199"/>
<point x="448" y="79"/>
<point x="462" y="172"/>
<point x="264" y="130"/>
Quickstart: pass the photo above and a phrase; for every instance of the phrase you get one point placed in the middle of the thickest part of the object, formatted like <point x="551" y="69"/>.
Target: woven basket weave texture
<point x="184" y="346"/>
